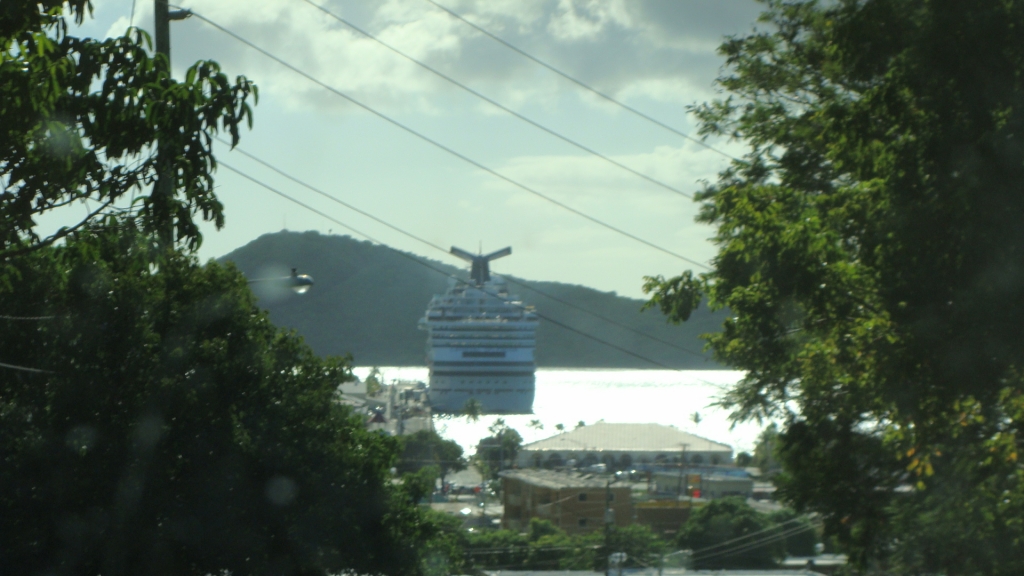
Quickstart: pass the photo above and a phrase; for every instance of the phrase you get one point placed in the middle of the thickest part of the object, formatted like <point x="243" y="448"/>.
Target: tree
<point x="373" y="382"/>
<point x="744" y="459"/>
<point x="155" y="420"/>
<point x="428" y="448"/>
<point x="80" y="119"/>
<point x="173" y="425"/>
<point x="869" y="252"/>
<point x="801" y="538"/>
<point x="472" y="410"/>
<point x="729" y="534"/>
<point x="499" y="450"/>
<point x="765" y="454"/>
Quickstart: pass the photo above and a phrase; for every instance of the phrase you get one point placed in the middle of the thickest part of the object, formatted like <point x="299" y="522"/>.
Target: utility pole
<point x="163" y="191"/>
<point x="682" y="460"/>
<point x="609" y="519"/>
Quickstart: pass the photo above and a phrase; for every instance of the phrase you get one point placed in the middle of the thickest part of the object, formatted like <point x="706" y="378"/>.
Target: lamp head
<point x="300" y="283"/>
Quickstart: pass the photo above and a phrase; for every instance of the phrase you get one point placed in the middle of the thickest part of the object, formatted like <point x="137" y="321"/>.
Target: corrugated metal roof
<point x="602" y="436"/>
<point x="654" y="572"/>
<point x="555" y="480"/>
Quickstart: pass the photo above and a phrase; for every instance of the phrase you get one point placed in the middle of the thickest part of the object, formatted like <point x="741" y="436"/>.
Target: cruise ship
<point x="480" y="342"/>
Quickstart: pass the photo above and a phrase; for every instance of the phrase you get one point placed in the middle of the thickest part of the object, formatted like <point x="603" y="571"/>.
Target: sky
<point x="657" y="56"/>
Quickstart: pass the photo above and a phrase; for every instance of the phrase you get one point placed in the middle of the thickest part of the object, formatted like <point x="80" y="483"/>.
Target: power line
<point x="451" y="151"/>
<point x="756" y="544"/>
<point x="580" y="83"/>
<point x="441" y="249"/>
<point x="771" y="528"/>
<point x="25" y="368"/>
<point x="438" y="270"/>
<point x="498" y="105"/>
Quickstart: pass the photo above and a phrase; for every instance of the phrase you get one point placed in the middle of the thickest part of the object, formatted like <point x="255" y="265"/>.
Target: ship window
<point x="483" y="354"/>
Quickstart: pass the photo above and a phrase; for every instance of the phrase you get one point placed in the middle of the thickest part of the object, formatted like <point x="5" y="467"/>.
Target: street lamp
<point x="299" y="283"/>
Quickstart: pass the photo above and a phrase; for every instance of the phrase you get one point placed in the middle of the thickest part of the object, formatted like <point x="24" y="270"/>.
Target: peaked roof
<point x="627" y="438"/>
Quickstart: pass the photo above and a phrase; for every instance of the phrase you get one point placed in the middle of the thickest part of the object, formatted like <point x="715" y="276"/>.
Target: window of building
<point x="583" y="496"/>
<point x="582" y="522"/>
<point x="611" y="496"/>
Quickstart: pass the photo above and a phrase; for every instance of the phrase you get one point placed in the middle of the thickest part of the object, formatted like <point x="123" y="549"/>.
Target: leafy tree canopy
<point x="174" y="426"/>
<point x="499" y="450"/>
<point x="870" y="253"/>
<point x="80" y="119"/>
<point x="724" y="534"/>
<point x="547" y="547"/>
<point x="427" y="448"/>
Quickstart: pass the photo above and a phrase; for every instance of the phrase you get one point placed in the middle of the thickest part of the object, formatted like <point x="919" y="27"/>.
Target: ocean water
<point x="571" y="395"/>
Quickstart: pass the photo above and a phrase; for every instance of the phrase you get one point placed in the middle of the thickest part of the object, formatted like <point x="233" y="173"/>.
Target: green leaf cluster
<point x="498" y="451"/>
<point x="426" y="448"/>
<point x="547" y="547"/>
<point x="174" y="429"/>
<point x="869" y="253"/>
<point x="81" y="119"/>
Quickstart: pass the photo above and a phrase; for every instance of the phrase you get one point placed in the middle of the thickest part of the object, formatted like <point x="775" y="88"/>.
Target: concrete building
<point x="706" y="485"/>
<point x="623" y="446"/>
<point x="575" y="503"/>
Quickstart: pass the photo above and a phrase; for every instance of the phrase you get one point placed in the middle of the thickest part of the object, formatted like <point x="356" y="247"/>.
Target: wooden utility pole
<point x="609" y="519"/>
<point x="682" y="463"/>
<point x="163" y="191"/>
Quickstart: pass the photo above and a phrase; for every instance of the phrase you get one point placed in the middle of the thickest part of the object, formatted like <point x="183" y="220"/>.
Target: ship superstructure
<point x="480" y="343"/>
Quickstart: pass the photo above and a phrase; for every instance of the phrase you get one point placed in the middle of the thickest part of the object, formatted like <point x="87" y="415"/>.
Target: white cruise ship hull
<point x="496" y="393"/>
<point x="480" y="343"/>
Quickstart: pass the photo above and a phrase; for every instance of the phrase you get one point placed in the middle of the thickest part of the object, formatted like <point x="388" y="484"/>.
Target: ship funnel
<point x="481" y="270"/>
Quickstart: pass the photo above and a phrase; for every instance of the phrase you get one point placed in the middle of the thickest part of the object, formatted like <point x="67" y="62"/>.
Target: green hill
<point x="368" y="298"/>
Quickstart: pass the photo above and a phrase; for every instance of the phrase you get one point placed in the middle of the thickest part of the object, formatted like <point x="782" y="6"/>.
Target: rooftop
<point x="654" y="572"/>
<point x="627" y="438"/>
<point x="556" y="480"/>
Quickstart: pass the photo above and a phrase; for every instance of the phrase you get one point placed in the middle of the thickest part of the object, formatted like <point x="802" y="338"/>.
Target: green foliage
<point x="801" y="537"/>
<point x="175" y="426"/>
<point x="427" y="448"/>
<point x="379" y="295"/>
<point x="716" y="531"/>
<point x="766" y="451"/>
<point x="472" y="409"/>
<point x="80" y="119"/>
<point x="869" y="252"/>
<point x="547" y="547"/>
<point x="505" y="549"/>
<point x="744" y="459"/>
<point x="446" y="543"/>
<point x="419" y="484"/>
<point x="641" y="545"/>
<point x="373" y="383"/>
<point x="497" y="451"/>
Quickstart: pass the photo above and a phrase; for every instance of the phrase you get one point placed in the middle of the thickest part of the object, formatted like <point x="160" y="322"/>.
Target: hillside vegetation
<point x="368" y="299"/>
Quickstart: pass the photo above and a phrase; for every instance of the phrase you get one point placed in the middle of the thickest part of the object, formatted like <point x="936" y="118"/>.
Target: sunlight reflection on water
<point x="567" y="396"/>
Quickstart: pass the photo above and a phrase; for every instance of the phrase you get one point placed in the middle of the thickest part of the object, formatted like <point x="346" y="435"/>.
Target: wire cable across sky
<point x="499" y="105"/>
<point x="443" y="250"/>
<point x="445" y="148"/>
<point x="427" y="265"/>
<point x="580" y="83"/>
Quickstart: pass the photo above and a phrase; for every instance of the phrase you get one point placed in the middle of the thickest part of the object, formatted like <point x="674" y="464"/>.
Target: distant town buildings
<point x="573" y="502"/>
<point x="623" y="447"/>
<point x="711" y="484"/>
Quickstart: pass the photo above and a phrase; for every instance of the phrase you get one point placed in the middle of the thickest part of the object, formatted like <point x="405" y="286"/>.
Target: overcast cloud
<point x="656" y="55"/>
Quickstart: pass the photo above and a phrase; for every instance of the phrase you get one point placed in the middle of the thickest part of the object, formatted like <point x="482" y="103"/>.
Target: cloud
<point x="591" y="179"/>
<point x="663" y="51"/>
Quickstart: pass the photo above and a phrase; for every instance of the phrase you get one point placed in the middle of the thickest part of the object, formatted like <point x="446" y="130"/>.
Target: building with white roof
<point x="623" y="446"/>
